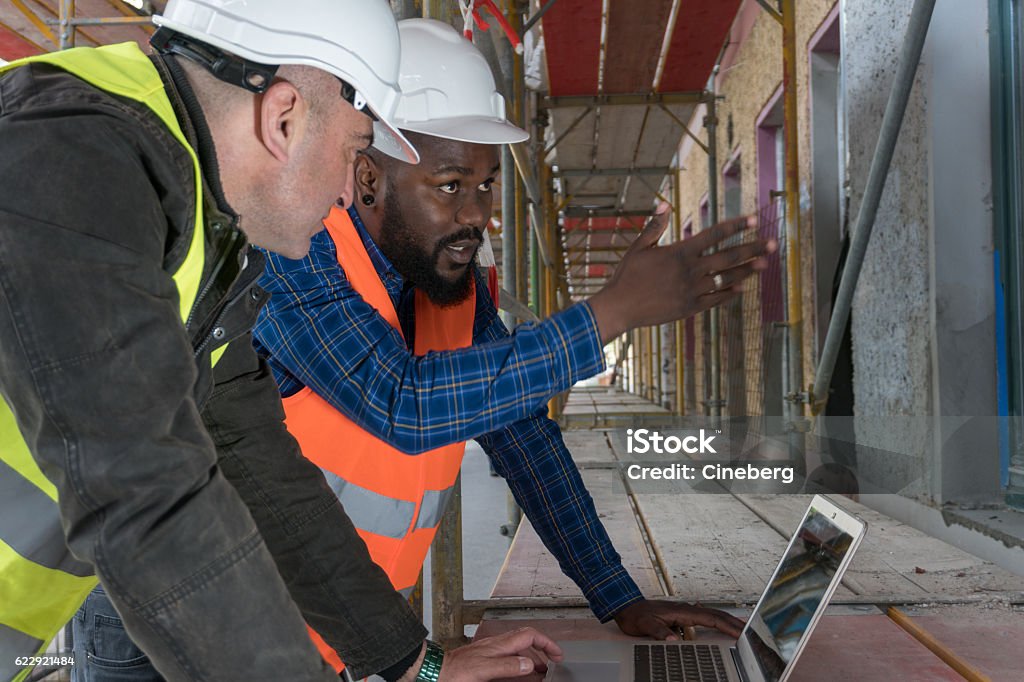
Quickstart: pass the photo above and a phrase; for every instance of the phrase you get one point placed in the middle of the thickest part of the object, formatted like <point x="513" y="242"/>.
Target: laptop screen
<point x="796" y="591"/>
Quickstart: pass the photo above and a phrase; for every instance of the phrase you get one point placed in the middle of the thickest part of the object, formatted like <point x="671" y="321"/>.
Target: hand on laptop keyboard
<point x="662" y="619"/>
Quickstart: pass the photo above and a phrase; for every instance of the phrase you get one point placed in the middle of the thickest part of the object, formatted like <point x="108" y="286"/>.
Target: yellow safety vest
<point x="41" y="583"/>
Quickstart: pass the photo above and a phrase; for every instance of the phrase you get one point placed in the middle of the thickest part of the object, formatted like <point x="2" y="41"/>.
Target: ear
<point x="282" y="119"/>
<point x="367" y="175"/>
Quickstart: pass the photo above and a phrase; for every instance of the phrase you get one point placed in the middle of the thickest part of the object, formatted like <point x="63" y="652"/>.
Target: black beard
<point x="419" y="267"/>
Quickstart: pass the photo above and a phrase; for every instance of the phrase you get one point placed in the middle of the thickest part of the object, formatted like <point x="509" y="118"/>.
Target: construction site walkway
<point x="911" y="607"/>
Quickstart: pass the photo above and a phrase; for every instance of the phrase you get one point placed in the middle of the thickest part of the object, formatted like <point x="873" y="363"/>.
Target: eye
<point x="450" y="187"/>
<point x="485" y="186"/>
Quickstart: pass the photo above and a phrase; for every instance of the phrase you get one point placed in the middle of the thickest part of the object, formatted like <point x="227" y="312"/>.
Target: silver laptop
<point x="776" y="633"/>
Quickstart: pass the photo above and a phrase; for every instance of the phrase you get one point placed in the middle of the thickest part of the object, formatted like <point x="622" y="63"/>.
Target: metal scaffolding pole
<point x="509" y="267"/>
<point x="509" y="248"/>
<point x="535" y="297"/>
<point x="715" y="401"/>
<point x="65" y="15"/>
<point x="651" y="379"/>
<point x="632" y="351"/>
<point x="626" y="371"/>
<point x="645" y="345"/>
<point x="446" y="575"/>
<point x="658" y="333"/>
<point x="519" y="115"/>
<point x="794" y="285"/>
<point x="638" y="363"/>
<point x="677" y="228"/>
<point x="416" y="598"/>
<point x="547" y="225"/>
<point x="518" y="91"/>
<point x="892" y="120"/>
<point x="522" y="245"/>
<point x="641" y="364"/>
<point x="634" y="362"/>
<point x="641" y="342"/>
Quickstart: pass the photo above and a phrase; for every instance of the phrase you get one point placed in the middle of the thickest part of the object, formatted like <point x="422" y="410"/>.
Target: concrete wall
<point x="892" y="343"/>
<point x="923" y="329"/>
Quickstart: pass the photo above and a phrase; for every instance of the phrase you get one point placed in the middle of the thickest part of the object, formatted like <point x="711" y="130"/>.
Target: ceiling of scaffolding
<point x="29" y="27"/>
<point x="623" y="79"/>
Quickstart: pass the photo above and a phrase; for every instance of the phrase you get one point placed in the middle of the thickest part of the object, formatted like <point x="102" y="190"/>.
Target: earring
<point x="368" y="200"/>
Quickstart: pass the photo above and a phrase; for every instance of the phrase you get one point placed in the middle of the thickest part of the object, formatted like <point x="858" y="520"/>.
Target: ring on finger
<point x="719" y="281"/>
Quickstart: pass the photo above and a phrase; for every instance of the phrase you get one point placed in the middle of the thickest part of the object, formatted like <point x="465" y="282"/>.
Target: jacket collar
<point x="197" y="132"/>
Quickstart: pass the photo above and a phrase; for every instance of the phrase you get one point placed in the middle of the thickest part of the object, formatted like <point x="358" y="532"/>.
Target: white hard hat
<point x="447" y="90"/>
<point x="355" y="40"/>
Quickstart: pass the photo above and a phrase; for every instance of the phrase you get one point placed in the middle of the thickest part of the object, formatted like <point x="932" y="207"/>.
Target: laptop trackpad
<point x="593" y="661"/>
<point x="583" y="671"/>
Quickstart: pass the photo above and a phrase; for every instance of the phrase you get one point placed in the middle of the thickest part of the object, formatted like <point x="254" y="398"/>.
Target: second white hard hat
<point x="356" y="40"/>
<point x="447" y="90"/>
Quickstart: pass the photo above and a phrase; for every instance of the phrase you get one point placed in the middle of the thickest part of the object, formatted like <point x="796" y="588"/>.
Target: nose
<point x="475" y="211"/>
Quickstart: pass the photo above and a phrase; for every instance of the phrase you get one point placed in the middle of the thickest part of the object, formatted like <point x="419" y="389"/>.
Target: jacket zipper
<point x="225" y="250"/>
<point x="216" y="323"/>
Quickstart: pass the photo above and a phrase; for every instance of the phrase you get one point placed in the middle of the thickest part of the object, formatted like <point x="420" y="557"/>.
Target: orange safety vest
<point x="395" y="500"/>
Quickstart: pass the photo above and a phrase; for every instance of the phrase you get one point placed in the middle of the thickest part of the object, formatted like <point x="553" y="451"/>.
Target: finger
<point x="653" y="230"/>
<point x="732" y="278"/>
<point x="715" y="298"/>
<point x="734" y="624"/>
<point x="502" y="667"/>
<point x="727" y="624"/>
<point x="539" y="660"/>
<point x="731" y="257"/>
<point x="524" y="638"/>
<point x="713" y="618"/>
<point x="713" y="235"/>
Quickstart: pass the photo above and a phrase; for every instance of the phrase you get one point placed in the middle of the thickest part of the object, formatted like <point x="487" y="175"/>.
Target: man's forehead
<point x="442" y="154"/>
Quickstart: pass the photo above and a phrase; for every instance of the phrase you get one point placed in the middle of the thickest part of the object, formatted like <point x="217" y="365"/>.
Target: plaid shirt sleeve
<point x="317" y="331"/>
<point x="531" y="456"/>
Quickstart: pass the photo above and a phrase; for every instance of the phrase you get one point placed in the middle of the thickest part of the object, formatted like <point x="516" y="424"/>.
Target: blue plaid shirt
<point x="318" y="332"/>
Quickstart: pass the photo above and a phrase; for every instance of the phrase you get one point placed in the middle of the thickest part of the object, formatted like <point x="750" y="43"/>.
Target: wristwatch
<point x="430" y="670"/>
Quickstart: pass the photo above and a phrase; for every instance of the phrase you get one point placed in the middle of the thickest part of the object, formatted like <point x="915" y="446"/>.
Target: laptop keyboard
<point x="678" y="663"/>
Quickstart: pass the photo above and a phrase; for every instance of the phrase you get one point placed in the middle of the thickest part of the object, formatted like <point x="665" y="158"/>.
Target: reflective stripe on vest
<point x="386" y="515"/>
<point x="41" y="583"/>
<point x="18" y="641"/>
<point x="394" y="499"/>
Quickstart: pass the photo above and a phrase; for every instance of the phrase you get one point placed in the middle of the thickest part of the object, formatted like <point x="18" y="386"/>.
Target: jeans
<point x="103" y="650"/>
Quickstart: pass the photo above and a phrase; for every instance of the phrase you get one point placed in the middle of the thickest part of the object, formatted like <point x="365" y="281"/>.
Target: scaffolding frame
<point x="529" y="197"/>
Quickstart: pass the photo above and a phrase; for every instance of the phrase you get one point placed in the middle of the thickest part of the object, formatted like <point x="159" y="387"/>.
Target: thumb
<point x="506" y="666"/>
<point x="654" y="228"/>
